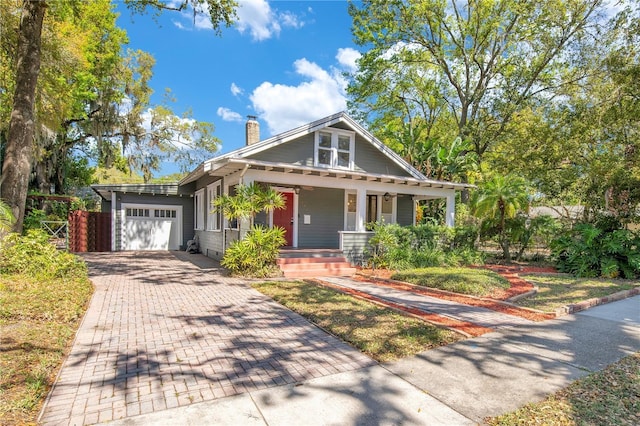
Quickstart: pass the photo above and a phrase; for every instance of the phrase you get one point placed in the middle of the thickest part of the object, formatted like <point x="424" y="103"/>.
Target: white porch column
<point x="361" y="209"/>
<point x="451" y="210"/>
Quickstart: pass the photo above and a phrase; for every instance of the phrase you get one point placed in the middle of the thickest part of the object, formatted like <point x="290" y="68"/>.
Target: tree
<point x="499" y="199"/>
<point x="585" y="149"/>
<point x="474" y="64"/>
<point x="18" y="157"/>
<point x="16" y="165"/>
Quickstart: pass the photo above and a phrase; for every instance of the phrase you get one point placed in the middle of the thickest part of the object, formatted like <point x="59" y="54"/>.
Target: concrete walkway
<point x="473" y="314"/>
<point x="169" y="340"/>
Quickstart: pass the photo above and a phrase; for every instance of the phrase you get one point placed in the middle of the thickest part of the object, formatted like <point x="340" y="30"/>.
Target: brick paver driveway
<point x="169" y="329"/>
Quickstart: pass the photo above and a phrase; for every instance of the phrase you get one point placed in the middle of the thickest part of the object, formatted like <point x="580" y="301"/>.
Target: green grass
<point x="475" y="282"/>
<point x="38" y="319"/>
<point x="556" y="291"/>
<point x="607" y="397"/>
<point x="380" y="333"/>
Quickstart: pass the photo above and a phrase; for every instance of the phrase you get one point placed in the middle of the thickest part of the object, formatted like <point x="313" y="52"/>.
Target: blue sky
<point x="281" y="62"/>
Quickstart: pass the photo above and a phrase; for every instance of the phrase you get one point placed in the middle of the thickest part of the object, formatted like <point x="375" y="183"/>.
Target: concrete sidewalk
<point x="168" y="339"/>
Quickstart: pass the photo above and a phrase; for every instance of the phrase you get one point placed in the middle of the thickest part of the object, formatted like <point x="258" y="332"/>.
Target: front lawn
<point x="38" y="320"/>
<point x="380" y="333"/>
<point x="556" y="291"/>
<point x="607" y="397"/>
<point x="472" y="281"/>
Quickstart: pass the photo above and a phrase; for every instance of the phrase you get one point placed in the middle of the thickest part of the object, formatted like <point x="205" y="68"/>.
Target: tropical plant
<point x="499" y="199"/>
<point x="588" y="251"/>
<point x="256" y="253"/>
<point x="247" y="201"/>
<point x="7" y="219"/>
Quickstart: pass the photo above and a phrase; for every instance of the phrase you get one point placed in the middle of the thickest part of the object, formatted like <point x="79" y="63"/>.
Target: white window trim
<point x="198" y="210"/>
<point x="346" y="210"/>
<point x="213" y="216"/>
<point x="335" y="133"/>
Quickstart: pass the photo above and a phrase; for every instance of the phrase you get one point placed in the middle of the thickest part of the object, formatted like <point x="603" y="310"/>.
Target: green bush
<point x="33" y="220"/>
<point x="33" y="255"/>
<point x="401" y="247"/>
<point x="255" y="255"/>
<point x="588" y="251"/>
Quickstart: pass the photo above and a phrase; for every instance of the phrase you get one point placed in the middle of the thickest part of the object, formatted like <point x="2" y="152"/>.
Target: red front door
<point x="284" y="217"/>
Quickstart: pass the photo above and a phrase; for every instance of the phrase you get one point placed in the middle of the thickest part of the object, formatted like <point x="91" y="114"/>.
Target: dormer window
<point x="334" y="149"/>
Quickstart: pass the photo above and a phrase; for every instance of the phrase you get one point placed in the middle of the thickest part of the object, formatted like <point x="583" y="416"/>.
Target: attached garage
<point x="151" y="227"/>
<point x="148" y="217"/>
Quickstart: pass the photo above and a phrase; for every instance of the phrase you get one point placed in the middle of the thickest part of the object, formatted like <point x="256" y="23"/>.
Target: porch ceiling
<point x="233" y="166"/>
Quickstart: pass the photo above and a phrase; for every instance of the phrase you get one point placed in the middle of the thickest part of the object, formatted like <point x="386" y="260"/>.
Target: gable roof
<point x="238" y="159"/>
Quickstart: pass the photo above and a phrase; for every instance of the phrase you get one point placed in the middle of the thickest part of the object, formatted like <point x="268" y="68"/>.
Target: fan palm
<point x="500" y="199"/>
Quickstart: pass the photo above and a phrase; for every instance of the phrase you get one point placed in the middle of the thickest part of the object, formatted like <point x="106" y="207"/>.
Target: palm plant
<point x="248" y="201"/>
<point x="499" y="199"/>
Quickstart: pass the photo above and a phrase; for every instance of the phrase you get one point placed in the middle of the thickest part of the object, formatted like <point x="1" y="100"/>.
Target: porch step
<point x="316" y="265"/>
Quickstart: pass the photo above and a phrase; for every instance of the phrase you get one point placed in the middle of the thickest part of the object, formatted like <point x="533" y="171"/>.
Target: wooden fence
<point x="89" y="231"/>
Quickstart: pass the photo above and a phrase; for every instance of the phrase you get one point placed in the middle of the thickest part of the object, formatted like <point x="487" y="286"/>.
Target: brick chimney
<point x="252" y="130"/>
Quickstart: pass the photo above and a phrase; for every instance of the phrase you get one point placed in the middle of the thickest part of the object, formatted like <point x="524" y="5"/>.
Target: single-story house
<point x="334" y="175"/>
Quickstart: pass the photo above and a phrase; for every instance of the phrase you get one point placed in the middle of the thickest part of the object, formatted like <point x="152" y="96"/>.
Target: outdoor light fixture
<point x="296" y="189"/>
<point x="387" y="196"/>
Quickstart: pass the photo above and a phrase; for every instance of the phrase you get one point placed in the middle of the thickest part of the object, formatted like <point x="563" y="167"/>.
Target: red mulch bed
<point x="464" y="327"/>
<point x="494" y="302"/>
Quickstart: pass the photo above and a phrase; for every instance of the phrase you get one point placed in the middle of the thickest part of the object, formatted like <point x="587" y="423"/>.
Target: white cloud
<point x="290" y="19"/>
<point x="236" y="90"/>
<point x="284" y="107"/>
<point x="347" y="57"/>
<point x="228" y="115"/>
<point x="257" y="17"/>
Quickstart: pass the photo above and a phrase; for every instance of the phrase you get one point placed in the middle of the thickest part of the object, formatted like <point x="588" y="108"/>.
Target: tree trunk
<point x="16" y="167"/>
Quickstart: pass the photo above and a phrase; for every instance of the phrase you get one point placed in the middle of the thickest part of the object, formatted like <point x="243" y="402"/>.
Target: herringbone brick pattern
<point x="169" y="329"/>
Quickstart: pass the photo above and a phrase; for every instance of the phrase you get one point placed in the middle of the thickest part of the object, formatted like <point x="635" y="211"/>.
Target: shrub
<point x="255" y="255"/>
<point x="34" y="219"/>
<point x="33" y="255"/>
<point x="397" y="247"/>
<point x="588" y="251"/>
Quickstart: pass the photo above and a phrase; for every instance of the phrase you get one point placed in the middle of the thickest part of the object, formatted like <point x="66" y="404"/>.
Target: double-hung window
<point x="213" y="215"/>
<point x="334" y="149"/>
<point x="198" y="210"/>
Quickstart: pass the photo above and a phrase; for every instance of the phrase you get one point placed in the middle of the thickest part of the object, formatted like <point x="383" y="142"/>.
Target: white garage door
<point x="146" y="227"/>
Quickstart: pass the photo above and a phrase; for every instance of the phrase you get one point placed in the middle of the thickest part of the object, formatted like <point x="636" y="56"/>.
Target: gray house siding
<point x="369" y="160"/>
<point x="301" y="152"/>
<point x="298" y="151"/>
<point x="325" y="208"/>
<point x="404" y="212"/>
<point x="355" y="245"/>
<point x="209" y="242"/>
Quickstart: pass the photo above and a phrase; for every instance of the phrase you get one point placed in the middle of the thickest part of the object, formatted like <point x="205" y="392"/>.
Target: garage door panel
<point x="149" y="234"/>
<point x="151" y="228"/>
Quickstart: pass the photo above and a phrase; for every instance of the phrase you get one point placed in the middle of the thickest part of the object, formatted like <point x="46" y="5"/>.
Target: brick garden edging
<point x="493" y="304"/>
<point x="590" y="303"/>
<point x="465" y="328"/>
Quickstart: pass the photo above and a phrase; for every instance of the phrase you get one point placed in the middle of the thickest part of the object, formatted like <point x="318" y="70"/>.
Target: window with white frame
<point x="198" y="210"/>
<point x="334" y="148"/>
<point x="350" y="219"/>
<point x="213" y="215"/>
